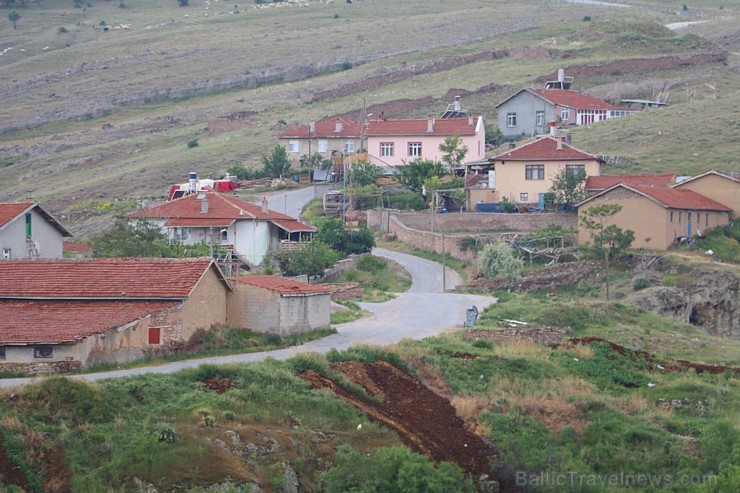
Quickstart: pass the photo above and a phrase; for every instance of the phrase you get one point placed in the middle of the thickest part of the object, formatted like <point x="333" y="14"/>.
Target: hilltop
<point x="100" y="101"/>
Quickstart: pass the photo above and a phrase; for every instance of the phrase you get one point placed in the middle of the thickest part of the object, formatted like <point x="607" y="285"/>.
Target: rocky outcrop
<point x="708" y="298"/>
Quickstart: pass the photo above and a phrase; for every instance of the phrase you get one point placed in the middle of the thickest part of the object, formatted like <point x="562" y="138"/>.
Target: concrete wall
<point x="265" y="310"/>
<point x="525" y="105"/>
<point x="511" y="179"/>
<point x="49" y="240"/>
<point x="722" y="190"/>
<point x="648" y="219"/>
<point x="311" y="146"/>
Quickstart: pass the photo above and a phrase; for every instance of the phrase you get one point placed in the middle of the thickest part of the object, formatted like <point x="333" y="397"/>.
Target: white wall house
<point x="28" y="231"/>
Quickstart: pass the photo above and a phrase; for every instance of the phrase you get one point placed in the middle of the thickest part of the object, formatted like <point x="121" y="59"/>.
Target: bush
<point x="371" y="263"/>
<point x="499" y="262"/>
<point x="640" y="283"/>
<point x="333" y="233"/>
<point x="62" y="30"/>
<point x="193" y="143"/>
<point x="310" y="260"/>
<point x="508" y="206"/>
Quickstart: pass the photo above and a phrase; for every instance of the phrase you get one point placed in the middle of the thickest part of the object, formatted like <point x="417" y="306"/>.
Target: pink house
<point x="391" y="143"/>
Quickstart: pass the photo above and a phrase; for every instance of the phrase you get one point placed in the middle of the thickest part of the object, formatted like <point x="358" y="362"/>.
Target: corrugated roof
<point x="101" y="278"/>
<point x="325" y="128"/>
<point x="544" y="148"/>
<point x="449" y="126"/>
<point x="57" y="322"/>
<point x="282" y="285"/>
<point x="607" y="181"/>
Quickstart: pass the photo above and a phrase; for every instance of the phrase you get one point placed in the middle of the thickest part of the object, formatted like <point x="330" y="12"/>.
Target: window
<point x="324" y="145"/>
<point x="539" y="118"/>
<point x="706" y="219"/>
<point x="155" y="334"/>
<point x="511" y="119"/>
<point x="415" y="149"/>
<point x="43" y="352"/>
<point x="564" y="114"/>
<point x="349" y="146"/>
<point x="534" y="172"/>
<point x="294" y="146"/>
<point x="6" y="254"/>
<point x="386" y="149"/>
<point x="182" y="234"/>
<point x="575" y="168"/>
<point x="523" y="197"/>
<point x="2" y="352"/>
<point x="671" y="216"/>
<point x="28" y="224"/>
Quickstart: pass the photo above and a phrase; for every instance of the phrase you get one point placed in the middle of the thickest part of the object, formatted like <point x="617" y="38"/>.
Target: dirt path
<point x="426" y="422"/>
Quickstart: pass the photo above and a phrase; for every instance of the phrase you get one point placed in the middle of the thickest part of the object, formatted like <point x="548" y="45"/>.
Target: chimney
<point x="265" y="210"/>
<point x="559" y="143"/>
<point x="470" y="120"/>
<point x="339" y="126"/>
<point x="204" y="205"/>
<point x="430" y="124"/>
<point x="458" y="103"/>
<point x="311" y="127"/>
<point x="561" y="76"/>
<point x="553" y="129"/>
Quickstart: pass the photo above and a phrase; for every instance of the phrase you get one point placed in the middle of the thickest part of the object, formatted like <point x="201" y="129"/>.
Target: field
<point x="101" y="115"/>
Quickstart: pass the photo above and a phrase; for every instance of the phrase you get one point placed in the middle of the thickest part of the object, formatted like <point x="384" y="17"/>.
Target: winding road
<point x="423" y="311"/>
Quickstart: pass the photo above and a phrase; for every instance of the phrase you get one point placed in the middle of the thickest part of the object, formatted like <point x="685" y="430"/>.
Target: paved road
<point x="424" y="310"/>
<point x="292" y="202"/>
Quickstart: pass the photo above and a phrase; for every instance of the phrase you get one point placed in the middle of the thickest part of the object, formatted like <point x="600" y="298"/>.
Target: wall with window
<point x="525" y="113"/>
<point x="323" y="145"/>
<point x="523" y="181"/>
<point x="48" y="240"/>
<point x="720" y="189"/>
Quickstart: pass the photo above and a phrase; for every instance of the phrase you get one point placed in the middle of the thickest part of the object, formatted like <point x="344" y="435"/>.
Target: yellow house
<point x="523" y="175"/>
<point x="657" y="216"/>
<point x="717" y="186"/>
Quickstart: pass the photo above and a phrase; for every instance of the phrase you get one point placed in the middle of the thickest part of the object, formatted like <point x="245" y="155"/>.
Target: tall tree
<point x="568" y="188"/>
<point x="607" y="239"/>
<point x="453" y="152"/>
<point x="276" y="164"/>
<point x="413" y="174"/>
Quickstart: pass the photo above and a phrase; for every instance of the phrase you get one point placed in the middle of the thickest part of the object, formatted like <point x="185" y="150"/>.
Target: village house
<point x="723" y="188"/>
<point x="27" y="230"/>
<point x="658" y="216"/>
<point x="278" y="305"/>
<point x="392" y="143"/>
<point x="530" y="111"/>
<point x="249" y="231"/>
<point x="525" y="174"/>
<point x="331" y="135"/>
<point x="61" y="315"/>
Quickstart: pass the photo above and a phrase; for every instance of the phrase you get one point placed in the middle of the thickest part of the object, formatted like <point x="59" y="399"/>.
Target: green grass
<point x="379" y="277"/>
<point x="724" y="242"/>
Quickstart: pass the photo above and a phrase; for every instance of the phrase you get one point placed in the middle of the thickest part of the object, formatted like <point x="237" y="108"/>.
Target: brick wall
<point x="41" y="368"/>
<point x="541" y="335"/>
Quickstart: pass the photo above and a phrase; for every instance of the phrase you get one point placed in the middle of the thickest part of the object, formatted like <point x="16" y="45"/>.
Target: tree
<point x="317" y="161"/>
<point x="333" y="233"/>
<point x="276" y="164"/>
<point x="413" y="174"/>
<point x="498" y="261"/>
<point x="608" y="240"/>
<point x="310" y="260"/>
<point x="363" y="173"/>
<point x="568" y="188"/>
<point x="138" y="238"/>
<point x="453" y="152"/>
<point x="494" y="135"/>
<point x="14" y="17"/>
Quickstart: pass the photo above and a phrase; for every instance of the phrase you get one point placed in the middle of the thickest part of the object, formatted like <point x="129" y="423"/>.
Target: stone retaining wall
<point x="334" y="271"/>
<point x="41" y="368"/>
<point x="345" y="290"/>
<point x="541" y="335"/>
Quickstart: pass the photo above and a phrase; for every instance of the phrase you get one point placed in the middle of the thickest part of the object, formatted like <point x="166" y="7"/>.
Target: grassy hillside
<point x="102" y="115"/>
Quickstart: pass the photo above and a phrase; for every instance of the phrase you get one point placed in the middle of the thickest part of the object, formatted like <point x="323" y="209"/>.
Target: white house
<point x="29" y="231"/>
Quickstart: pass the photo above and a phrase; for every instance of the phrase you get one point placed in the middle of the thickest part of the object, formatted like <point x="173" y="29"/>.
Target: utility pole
<point x="344" y="193"/>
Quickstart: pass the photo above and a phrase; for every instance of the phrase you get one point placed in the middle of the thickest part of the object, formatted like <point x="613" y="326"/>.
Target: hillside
<point x="91" y="116"/>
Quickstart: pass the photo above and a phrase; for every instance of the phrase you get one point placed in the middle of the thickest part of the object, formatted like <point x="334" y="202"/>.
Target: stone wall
<point x="334" y="271"/>
<point x="41" y="368"/>
<point x="541" y="335"/>
<point x="345" y="290"/>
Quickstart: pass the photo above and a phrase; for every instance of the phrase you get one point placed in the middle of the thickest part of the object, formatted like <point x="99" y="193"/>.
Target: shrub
<point x="498" y="261"/>
<point x="586" y="18"/>
<point x="310" y="260"/>
<point x="640" y="283"/>
<point x="371" y="263"/>
<point x="62" y="30"/>
<point x="193" y="143"/>
<point x="333" y="233"/>
<point x="508" y="206"/>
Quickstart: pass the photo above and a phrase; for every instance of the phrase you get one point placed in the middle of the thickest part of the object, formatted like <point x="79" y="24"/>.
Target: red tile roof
<point x="448" y="126"/>
<point x="607" y="181"/>
<point x="544" y="148"/>
<point x="707" y="173"/>
<point x="56" y="322"/>
<point x="119" y="278"/>
<point x="294" y="226"/>
<point x="681" y="199"/>
<point x="222" y="210"/>
<point x="282" y="285"/>
<point x="325" y="128"/>
<point x="8" y="212"/>
<point x="575" y="99"/>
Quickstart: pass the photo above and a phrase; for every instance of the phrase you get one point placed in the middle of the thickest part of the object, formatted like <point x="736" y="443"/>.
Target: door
<point x="688" y="226"/>
<point x="541" y="201"/>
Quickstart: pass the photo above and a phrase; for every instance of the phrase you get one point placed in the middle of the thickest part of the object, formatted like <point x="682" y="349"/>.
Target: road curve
<point x="423" y="311"/>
